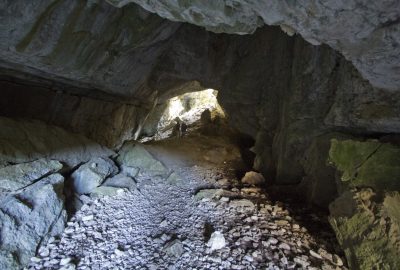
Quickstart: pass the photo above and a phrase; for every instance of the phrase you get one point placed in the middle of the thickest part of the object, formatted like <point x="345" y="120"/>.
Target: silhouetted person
<point x="180" y="128"/>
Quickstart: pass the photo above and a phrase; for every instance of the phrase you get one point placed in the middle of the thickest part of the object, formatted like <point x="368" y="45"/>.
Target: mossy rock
<point x="367" y="230"/>
<point x="370" y="163"/>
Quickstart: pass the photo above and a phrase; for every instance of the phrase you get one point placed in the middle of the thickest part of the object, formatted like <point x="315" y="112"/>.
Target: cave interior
<point x="145" y="134"/>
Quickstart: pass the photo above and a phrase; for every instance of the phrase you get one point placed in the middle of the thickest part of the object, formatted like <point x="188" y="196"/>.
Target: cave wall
<point x="88" y="44"/>
<point x="96" y="69"/>
<point x="109" y="122"/>
<point x="365" y="33"/>
<point x="105" y="66"/>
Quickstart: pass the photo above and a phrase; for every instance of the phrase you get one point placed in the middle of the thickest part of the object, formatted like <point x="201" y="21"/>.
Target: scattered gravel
<point x="159" y="225"/>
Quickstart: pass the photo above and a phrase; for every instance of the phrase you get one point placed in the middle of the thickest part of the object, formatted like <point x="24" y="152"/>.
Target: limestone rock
<point x="21" y="175"/>
<point x="104" y="191"/>
<point x="92" y="174"/>
<point x="370" y="163"/>
<point x="243" y="205"/>
<point x="121" y="181"/>
<point x="174" y="248"/>
<point x="355" y="217"/>
<point x="135" y="155"/>
<point x="28" y="140"/>
<point x="217" y="241"/>
<point x="253" y="178"/>
<point x="30" y="217"/>
<point x="339" y="28"/>
<point x="213" y="194"/>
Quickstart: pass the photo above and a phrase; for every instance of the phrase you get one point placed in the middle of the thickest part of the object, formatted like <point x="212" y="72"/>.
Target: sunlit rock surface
<point x="365" y="33"/>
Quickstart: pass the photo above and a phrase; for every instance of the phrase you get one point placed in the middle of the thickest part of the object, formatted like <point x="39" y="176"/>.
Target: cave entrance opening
<point x="196" y="111"/>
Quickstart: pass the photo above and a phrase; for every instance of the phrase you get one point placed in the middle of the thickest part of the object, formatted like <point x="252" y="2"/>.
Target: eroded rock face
<point x="367" y="34"/>
<point x="104" y="119"/>
<point x="28" y="140"/>
<point x="92" y="44"/>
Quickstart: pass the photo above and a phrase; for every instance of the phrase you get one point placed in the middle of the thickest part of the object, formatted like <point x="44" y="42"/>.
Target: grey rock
<point x="217" y="241"/>
<point x="174" y="248"/>
<point x="42" y="205"/>
<point x="129" y="171"/>
<point x="340" y="28"/>
<point x="244" y="205"/>
<point x="17" y="176"/>
<point x="103" y="191"/>
<point x="92" y="174"/>
<point x="121" y="181"/>
<point x="29" y="140"/>
<point x="213" y="194"/>
<point x="135" y="155"/>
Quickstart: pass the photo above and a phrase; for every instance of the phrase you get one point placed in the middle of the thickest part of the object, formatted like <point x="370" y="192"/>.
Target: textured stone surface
<point x="253" y="178"/>
<point x="133" y="154"/>
<point x="367" y="34"/>
<point x="86" y="44"/>
<point x="92" y="174"/>
<point x="115" y="122"/>
<point x="370" y="163"/>
<point x="367" y="229"/>
<point x="121" y="181"/>
<point x="28" y="218"/>
<point x="104" y="191"/>
<point x="27" y="140"/>
<point x="365" y="216"/>
<point x="17" y="176"/>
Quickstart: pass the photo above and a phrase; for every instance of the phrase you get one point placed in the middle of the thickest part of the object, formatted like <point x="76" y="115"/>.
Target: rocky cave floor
<point x="204" y="219"/>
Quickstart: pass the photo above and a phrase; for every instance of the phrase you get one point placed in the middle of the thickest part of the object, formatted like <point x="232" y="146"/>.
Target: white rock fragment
<point x="87" y="218"/>
<point x="315" y="255"/>
<point x="65" y="261"/>
<point x="35" y="259"/>
<point x="284" y="246"/>
<point x="119" y="252"/>
<point x="217" y="241"/>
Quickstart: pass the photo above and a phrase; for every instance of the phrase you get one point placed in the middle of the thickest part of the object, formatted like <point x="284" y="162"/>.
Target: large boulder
<point x="120" y="181"/>
<point x="135" y="155"/>
<point x="28" y="218"/>
<point x="92" y="174"/>
<point x="28" y="140"/>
